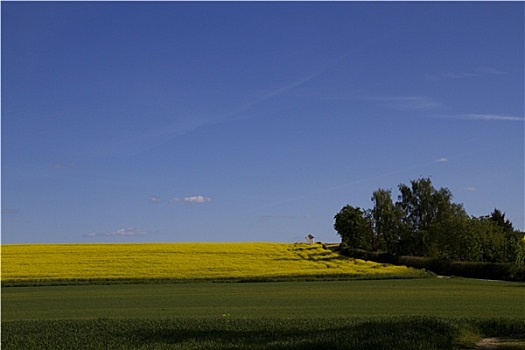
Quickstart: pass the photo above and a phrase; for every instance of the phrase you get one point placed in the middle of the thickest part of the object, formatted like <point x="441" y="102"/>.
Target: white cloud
<point x="129" y="232"/>
<point x="442" y="160"/>
<point x="196" y="199"/>
<point x="191" y="199"/>
<point x="155" y="199"/>
<point x="122" y="232"/>
<point x="470" y="189"/>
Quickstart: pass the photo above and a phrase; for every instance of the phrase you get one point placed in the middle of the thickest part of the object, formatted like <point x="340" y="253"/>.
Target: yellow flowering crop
<point x="181" y="261"/>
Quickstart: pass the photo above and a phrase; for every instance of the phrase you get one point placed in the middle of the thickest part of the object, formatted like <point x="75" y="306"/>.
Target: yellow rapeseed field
<point x="181" y="261"/>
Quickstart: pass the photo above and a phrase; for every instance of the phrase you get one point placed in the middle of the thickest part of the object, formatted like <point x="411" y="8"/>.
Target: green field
<point x="395" y="314"/>
<point x="419" y="297"/>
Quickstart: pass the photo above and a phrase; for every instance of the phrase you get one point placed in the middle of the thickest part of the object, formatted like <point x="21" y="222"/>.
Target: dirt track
<point x="516" y="342"/>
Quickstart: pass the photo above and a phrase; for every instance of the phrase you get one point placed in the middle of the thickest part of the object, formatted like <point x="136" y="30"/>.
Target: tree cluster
<point x="425" y="222"/>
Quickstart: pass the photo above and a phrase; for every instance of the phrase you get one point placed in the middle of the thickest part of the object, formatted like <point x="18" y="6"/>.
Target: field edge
<point x="248" y="279"/>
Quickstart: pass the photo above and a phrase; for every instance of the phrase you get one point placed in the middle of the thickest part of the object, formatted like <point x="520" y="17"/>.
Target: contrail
<point x="134" y="144"/>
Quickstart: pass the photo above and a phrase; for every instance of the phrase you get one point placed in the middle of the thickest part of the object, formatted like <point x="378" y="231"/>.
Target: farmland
<point x="204" y="311"/>
<point x="395" y="314"/>
<point x="319" y="299"/>
<point x="70" y="263"/>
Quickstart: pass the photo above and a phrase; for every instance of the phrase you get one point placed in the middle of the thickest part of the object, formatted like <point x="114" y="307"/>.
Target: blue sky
<point x="171" y="121"/>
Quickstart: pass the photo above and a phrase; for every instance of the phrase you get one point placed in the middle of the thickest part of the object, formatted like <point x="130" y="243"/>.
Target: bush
<point x="483" y="270"/>
<point x="380" y="257"/>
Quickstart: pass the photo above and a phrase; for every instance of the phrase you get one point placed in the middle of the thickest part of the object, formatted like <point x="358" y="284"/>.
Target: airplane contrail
<point x="137" y="143"/>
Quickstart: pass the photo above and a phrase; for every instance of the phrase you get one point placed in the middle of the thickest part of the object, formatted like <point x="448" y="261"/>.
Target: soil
<point x="514" y="342"/>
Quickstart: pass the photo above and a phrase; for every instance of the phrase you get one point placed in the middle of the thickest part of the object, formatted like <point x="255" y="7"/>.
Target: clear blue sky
<point x="170" y="121"/>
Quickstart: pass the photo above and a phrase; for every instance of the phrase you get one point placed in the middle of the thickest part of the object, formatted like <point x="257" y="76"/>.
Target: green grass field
<point x="394" y="314"/>
<point x="412" y="297"/>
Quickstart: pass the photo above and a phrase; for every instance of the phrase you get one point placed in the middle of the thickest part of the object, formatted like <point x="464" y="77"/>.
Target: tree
<point x="353" y="225"/>
<point x="499" y="218"/>
<point x="422" y="204"/>
<point x="386" y="221"/>
<point x="456" y="237"/>
<point x="425" y="222"/>
<point x="502" y="241"/>
<point x="520" y="256"/>
<point x="424" y="208"/>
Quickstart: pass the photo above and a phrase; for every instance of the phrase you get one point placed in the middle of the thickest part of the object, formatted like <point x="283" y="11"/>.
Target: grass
<point x="376" y="298"/>
<point x="394" y="314"/>
<point x="103" y="263"/>
<point x="384" y="333"/>
<point x="403" y="333"/>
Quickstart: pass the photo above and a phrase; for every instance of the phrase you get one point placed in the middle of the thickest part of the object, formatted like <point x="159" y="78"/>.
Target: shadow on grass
<point x="275" y="333"/>
<point x="313" y="334"/>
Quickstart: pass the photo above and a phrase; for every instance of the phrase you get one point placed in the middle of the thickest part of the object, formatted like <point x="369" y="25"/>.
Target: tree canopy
<point x="425" y="222"/>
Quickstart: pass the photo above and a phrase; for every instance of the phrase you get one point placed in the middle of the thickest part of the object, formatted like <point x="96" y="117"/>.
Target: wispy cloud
<point x="470" y="189"/>
<point x="155" y="199"/>
<point x="449" y="75"/>
<point x="470" y="73"/>
<point x="196" y="199"/>
<point x="442" y="160"/>
<point x="414" y="103"/>
<point x="490" y="70"/>
<point x="134" y="143"/>
<point x="122" y="232"/>
<point x="487" y="117"/>
<point x="191" y="199"/>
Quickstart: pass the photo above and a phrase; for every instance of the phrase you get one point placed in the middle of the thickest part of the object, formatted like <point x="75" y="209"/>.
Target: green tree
<point x="456" y="238"/>
<point x="499" y="218"/>
<point x="422" y="204"/>
<point x="424" y="207"/>
<point x="520" y="256"/>
<point x="386" y="221"/>
<point x="513" y="248"/>
<point x="353" y="225"/>
<point x="492" y="239"/>
<point x="425" y="222"/>
<point x="509" y="248"/>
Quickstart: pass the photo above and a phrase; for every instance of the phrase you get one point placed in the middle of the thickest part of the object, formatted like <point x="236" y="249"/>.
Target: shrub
<point x="483" y="270"/>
